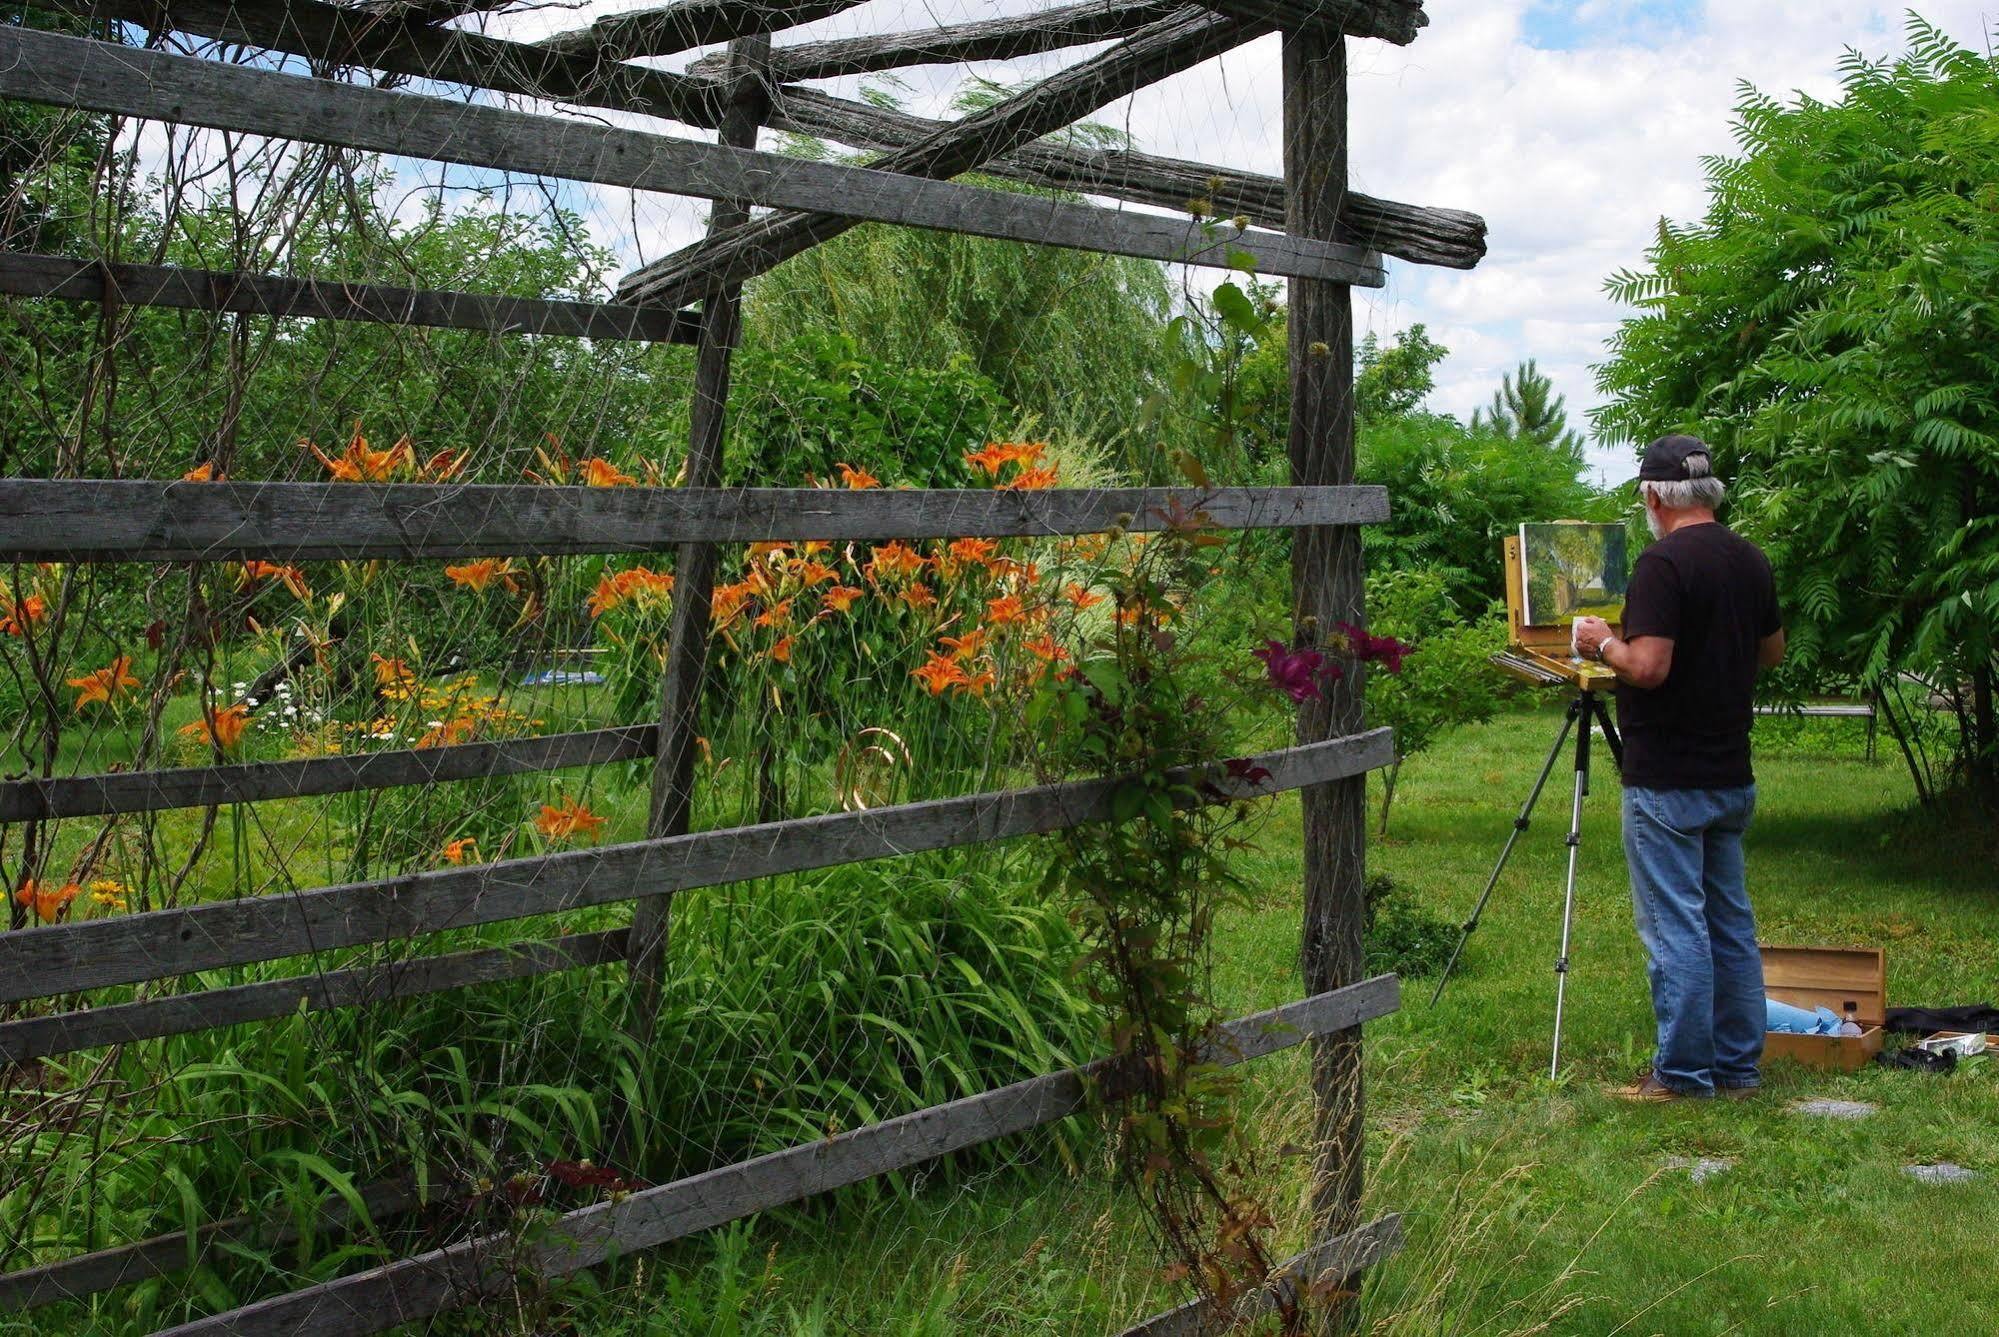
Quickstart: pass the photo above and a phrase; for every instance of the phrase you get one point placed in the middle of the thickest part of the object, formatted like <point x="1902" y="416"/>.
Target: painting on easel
<point x="1570" y="570"/>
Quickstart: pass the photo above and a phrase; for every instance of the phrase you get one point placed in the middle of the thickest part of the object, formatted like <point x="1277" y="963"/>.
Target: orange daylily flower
<point x="814" y="548"/>
<point x="451" y="731"/>
<point x="992" y="459"/>
<point x="613" y="588"/>
<point x="1025" y="452"/>
<point x="1046" y="647"/>
<point x="1031" y="480"/>
<point x="857" y="479"/>
<point x="777" y="615"/>
<point x="359" y="464"/>
<point x="444" y="466"/>
<point x="202" y="473"/>
<point x="104" y="684"/>
<point x="728" y="600"/>
<point x="897" y="559"/>
<point x="222" y="727"/>
<point x="840" y="598"/>
<point x="478" y="575"/>
<point x="1005" y="611"/>
<point x="1081" y="598"/>
<point x="16" y="618"/>
<point x="781" y="651"/>
<point x="48" y="903"/>
<point x="966" y="646"/>
<point x="973" y="551"/>
<point x="939" y="673"/>
<point x="568" y="822"/>
<point x="291" y="577"/>
<point x="920" y="596"/>
<point x="815" y="573"/>
<point x="462" y="850"/>
<point x="599" y="472"/>
<point x="978" y="684"/>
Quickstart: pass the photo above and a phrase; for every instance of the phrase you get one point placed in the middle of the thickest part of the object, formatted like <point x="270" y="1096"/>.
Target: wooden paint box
<point x="1828" y="977"/>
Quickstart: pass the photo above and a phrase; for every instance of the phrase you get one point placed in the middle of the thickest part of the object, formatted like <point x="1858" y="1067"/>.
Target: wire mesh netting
<point x="387" y="1114"/>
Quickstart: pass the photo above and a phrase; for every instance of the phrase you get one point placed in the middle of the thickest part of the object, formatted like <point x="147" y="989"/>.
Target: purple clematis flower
<point x="1296" y="673"/>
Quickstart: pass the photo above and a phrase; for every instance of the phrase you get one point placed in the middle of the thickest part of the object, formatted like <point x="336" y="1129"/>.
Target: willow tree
<point x="1829" y="327"/>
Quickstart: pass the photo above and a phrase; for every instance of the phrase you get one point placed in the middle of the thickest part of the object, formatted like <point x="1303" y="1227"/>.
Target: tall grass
<point x="793" y="1008"/>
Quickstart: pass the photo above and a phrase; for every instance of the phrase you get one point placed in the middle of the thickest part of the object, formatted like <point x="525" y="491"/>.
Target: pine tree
<point x="1526" y="408"/>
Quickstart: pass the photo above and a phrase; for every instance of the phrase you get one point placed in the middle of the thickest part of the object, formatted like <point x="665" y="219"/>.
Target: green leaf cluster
<point x="1829" y="325"/>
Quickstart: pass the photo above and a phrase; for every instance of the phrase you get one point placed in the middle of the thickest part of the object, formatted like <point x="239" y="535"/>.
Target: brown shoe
<point x="1648" y="1089"/>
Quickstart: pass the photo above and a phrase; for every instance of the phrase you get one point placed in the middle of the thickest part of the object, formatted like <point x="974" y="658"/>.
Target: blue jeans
<point x="1692" y="907"/>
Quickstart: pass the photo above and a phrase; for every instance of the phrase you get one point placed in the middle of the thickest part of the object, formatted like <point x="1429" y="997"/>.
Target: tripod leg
<point x="1519" y="825"/>
<point x="1575" y="843"/>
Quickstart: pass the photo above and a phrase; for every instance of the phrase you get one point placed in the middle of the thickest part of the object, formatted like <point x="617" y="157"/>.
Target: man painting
<point x="1700" y="620"/>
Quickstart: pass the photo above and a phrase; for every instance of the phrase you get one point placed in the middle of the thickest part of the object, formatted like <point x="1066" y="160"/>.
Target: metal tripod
<point x="1589" y="708"/>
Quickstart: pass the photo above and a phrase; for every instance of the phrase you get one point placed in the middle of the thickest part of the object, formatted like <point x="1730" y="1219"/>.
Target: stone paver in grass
<point x="1943" y="1172"/>
<point x="1824" y="1108"/>
<point x="1700" y="1169"/>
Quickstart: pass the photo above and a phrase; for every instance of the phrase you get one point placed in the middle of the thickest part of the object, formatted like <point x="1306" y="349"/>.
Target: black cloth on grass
<point x="1930" y="1020"/>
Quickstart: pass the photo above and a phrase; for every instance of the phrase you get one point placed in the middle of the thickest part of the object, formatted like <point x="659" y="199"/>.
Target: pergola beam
<point x="1189" y="36"/>
<point x="988" y="39"/>
<point x="1420" y="234"/>
<point x="688" y="24"/>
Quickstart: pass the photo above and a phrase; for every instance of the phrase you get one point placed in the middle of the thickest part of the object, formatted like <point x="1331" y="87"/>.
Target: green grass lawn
<point x="1532" y="1205"/>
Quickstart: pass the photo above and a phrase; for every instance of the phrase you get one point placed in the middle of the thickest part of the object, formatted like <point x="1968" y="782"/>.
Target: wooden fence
<point x="1309" y="228"/>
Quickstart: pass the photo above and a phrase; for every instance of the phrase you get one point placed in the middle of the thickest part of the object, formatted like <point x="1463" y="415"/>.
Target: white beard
<point x="1652" y="523"/>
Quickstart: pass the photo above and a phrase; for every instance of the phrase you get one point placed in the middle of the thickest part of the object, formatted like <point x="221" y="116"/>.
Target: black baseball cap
<point x="1666" y="459"/>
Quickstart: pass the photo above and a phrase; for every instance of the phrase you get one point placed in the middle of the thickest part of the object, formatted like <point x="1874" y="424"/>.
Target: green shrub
<point x="1403" y="936"/>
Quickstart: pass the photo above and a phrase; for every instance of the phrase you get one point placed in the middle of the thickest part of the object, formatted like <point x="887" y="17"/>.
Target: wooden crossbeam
<point x="1335" y="1260"/>
<point x="1395" y="21"/>
<point x="687" y="24"/>
<point x="987" y="39"/>
<point x="334" y="36"/>
<point x="99" y="76"/>
<point x="412" y="1289"/>
<point x="1180" y="41"/>
<point x="57" y="959"/>
<point x="320" y="991"/>
<point x="134" y="520"/>
<point x="259" y="781"/>
<point x="1416" y="233"/>
<point x="95" y="281"/>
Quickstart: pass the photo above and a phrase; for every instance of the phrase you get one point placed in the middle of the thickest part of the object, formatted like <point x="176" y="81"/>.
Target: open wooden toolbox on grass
<point x="1828" y="977"/>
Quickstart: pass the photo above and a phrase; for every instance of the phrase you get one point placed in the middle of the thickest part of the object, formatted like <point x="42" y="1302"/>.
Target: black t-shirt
<point x="1709" y="591"/>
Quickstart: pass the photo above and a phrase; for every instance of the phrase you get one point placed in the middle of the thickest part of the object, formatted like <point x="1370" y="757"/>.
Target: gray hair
<point x="1699" y="489"/>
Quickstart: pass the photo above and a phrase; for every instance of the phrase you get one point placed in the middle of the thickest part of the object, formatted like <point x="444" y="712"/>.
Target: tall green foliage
<point x="1069" y="337"/>
<point x="1457" y="493"/>
<point x="1829" y="326"/>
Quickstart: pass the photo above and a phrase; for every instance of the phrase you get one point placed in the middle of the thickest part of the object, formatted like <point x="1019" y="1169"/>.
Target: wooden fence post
<point x="1326" y="589"/>
<point x="694" y="563"/>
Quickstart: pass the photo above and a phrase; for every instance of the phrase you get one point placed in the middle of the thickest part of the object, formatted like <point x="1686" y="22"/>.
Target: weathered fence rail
<point x="157" y="944"/>
<point x="75" y="520"/>
<point x="102" y="282"/>
<point x="414" y="1288"/>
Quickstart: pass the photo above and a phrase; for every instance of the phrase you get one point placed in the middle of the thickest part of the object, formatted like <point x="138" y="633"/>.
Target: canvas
<point x="1572" y="570"/>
